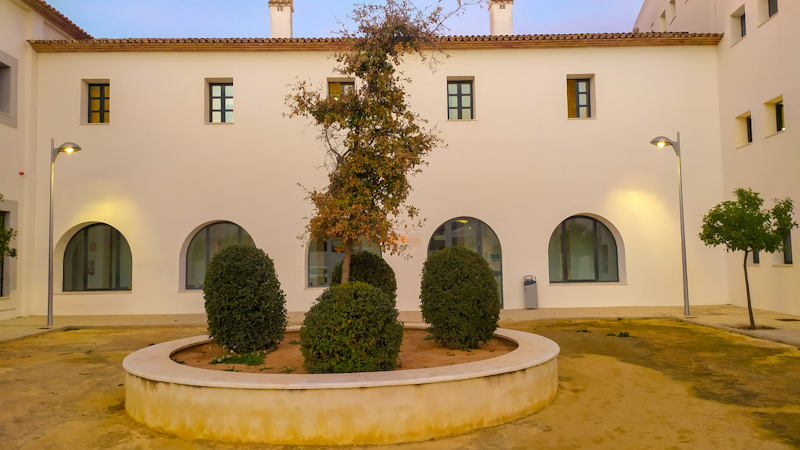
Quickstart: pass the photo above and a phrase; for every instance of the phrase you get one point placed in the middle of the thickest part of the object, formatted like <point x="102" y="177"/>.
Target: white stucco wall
<point x="157" y="172"/>
<point x="17" y="142"/>
<point x="752" y="71"/>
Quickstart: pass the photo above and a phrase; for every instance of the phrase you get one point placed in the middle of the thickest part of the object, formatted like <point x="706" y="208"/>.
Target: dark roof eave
<point x="332" y="44"/>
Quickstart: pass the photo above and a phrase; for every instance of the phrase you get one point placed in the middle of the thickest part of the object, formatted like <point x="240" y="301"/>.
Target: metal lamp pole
<point x="67" y="147"/>
<point x="661" y="142"/>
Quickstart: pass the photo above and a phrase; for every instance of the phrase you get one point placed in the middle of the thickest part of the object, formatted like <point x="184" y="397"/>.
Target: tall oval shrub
<point x="353" y="327"/>
<point x="245" y="305"/>
<point x="459" y="298"/>
<point x="371" y="269"/>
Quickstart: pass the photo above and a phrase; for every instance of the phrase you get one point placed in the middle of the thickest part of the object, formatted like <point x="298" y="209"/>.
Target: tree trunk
<point x="747" y="285"/>
<point x="348" y="251"/>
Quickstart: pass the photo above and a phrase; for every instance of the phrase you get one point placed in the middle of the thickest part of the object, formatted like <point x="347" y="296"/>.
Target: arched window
<point x="322" y="257"/>
<point x="205" y="244"/>
<point x="583" y="249"/>
<point x="474" y="235"/>
<point x="98" y="258"/>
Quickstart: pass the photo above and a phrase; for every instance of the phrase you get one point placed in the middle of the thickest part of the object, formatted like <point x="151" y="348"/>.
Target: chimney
<point x="280" y="18"/>
<point x="500" y="17"/>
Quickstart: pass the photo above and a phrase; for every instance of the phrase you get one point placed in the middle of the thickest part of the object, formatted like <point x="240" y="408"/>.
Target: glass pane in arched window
<point x="554" y="255"/>
<point x="606" y="254"/>
<point x="582" y="249"/>
<point x="205" y="244"/>
<point x="98" y="257"/>
<point x="323" y="257"/>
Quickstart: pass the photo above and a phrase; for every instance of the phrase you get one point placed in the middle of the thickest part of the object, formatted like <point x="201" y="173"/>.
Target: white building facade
<point x="548" y="171"/>
<point x="757" y="74"/>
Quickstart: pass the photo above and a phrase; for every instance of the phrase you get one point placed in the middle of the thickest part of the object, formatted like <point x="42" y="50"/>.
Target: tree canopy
<point x="374" y="143"/>
<point x="742" y="225"/>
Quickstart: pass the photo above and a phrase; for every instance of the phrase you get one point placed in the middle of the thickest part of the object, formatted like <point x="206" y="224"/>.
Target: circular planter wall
<point x="339" y="409"/>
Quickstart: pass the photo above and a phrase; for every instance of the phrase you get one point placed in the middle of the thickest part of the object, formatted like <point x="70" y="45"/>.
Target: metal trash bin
<point x="531" y="296"/>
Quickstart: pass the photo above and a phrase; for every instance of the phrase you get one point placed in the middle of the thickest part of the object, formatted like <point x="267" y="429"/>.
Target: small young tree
<point x="373" y="141"/>
<point x="741" y="225"/>
<point x="6" y="236"/>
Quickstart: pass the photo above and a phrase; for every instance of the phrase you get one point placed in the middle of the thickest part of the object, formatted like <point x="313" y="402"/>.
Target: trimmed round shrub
<point x="459" y="298"/>
<point x="353" y="327"/>
<point x="245" y="305"/>
<point x="371" y="269"/>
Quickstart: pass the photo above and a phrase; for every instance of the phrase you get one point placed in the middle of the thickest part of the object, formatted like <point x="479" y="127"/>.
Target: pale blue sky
<point x="317" y="18"/>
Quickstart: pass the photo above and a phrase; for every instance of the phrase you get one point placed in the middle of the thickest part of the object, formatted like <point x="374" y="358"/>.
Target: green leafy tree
<point x="6" y="236"/>
<point x="741" y="225"/>
<point x="374" y="143"/>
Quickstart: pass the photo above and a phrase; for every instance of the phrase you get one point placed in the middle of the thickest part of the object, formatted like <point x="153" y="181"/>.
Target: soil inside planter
<point x="417" y="352"/>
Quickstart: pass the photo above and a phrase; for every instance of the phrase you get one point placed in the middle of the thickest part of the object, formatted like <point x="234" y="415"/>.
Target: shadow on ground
<point x="667" y="385"/>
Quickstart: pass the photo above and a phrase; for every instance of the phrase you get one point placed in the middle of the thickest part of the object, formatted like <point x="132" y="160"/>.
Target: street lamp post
<point x="661" y="142"/>
<point x="67" y="147"/>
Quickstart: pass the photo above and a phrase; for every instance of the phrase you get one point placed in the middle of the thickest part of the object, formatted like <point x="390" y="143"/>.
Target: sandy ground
<point x="668" y="385"/>
<point x="417" y="352"/>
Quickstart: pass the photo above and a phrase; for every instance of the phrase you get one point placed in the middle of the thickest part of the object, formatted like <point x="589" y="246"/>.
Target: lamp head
<point x="69" y="147"/>
<point x="662" y="141"/>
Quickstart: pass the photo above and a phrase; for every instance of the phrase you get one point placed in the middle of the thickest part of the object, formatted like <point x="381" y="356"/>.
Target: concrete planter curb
<point x="339" y="409"/>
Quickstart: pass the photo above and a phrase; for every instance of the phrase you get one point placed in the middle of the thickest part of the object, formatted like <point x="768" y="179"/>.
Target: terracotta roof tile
<point x="57" y="19"/>
<point x="311" y="44"/>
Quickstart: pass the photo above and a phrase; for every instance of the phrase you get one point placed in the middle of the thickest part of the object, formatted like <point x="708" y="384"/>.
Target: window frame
<point x="350" y="85"/>
<point x="104" y="96"/>
<point x="573" y="84"/>
<point x="743" y="25"/>
<point x="459" y="108"/>
<point x="208" y="255"/>
<point x="772" y="7"/>
<point x="564" y="255"/>
<point x="222" y="97"/>
<point x="9" y="74"/>
<point x="117" y="238"/>
<point x="748" y="121"/>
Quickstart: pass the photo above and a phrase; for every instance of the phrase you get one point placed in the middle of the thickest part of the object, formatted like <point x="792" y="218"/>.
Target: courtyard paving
<point x="670" y="384"/>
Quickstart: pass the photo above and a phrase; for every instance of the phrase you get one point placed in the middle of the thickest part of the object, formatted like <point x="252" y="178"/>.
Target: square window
<point x="338" y="89"/>
<point x="767" y="9"/>
<point x="744" y="129"/>
<point x="221" y="102"/>
<point x="671" y="11"/>
<point x="99" y="99"/>
<point x="773" y="7"/>
<point x="738" y="25"/>
<point x="579" y="97"/>
<point x="5" y="88"/>
<point x="774" y="116"/>
<point x="459" y="100"/>
<point x="8" y="90"/>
